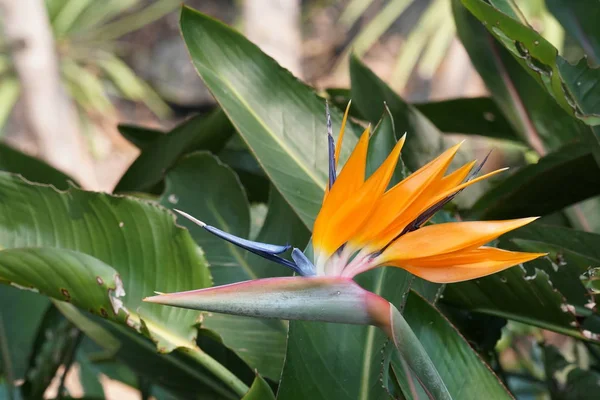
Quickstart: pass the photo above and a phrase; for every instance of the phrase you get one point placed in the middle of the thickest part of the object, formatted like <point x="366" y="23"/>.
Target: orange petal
<point x="440" y="239"/>
<point x="392" y="206"/>
<point x="474" y="256"/>
<point x="457" y="177"/>
<point x="339" y="221"/>
<point x="464" y="266"/>
<point x="338" y="145"/>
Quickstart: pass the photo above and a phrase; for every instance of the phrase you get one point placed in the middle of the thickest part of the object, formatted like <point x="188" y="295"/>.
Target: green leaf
<point x="571" y="254"/>
<point x="443" y="342"/>
<point x="205" y="188"/>
<point x="202" y="132"/>
<point x="139" y="136"/>
<point x="28" y="309"/>
<point x="256" y="183"/>
<point x="546" y="292"/>
<point x="541" y="60"/>
<point x="523" y="101"/>
<point x="260" y="390"/>
<point x="423" y="141"/>
<point x="104" y="232"/>
<point x="31" y="168"/>
<point x="580" y="21"/>
<point x="471" y="116"/>
<point x="36" y="269"/>
<point x="334" y="361"/>
<point x="280" y="118"/>
<point x="544" y="187"/>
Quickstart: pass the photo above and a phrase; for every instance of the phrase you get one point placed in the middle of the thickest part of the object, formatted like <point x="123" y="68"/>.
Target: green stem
<point x="412" y="352"/>
<point x="217" y="369"/>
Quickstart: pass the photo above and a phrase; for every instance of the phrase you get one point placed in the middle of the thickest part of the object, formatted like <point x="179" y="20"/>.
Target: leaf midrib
<point x="318" y="182"/>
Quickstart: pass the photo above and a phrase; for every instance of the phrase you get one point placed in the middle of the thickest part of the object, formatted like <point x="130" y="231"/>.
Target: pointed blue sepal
<point x="265" y="250"/>
<point x="305" y="267"/>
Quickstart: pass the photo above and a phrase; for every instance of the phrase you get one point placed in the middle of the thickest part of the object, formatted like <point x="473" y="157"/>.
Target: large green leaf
<point x="527" y="192"/>
<point x="82" y="280"/>
<point x="202" y="186"/>
<point x="335" y="361"/>
<point x="576" y="93"/>
<point x="161" y="151"/>
<point x="532" y="111"/>
<point x="450" y="352"/>
<point x="580" y="19"/>
<point x="137" y="239"/>
<point x="281" y="119"/>
<point x="513" y="294"/>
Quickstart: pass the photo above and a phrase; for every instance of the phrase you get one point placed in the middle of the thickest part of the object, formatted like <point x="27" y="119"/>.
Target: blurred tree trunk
<point x="274" y="25"/>
<point x="50" y="115"/>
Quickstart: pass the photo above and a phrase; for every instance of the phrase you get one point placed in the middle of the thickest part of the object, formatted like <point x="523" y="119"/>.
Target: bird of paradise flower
<point x="362" y="225"/>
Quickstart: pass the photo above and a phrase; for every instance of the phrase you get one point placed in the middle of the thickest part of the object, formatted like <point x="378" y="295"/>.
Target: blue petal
<point x="248" y="244"/>
<point x="265" y="250"/>
<point x="305" y="267"/>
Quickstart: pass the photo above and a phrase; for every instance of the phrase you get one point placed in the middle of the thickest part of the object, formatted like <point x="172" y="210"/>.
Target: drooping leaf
<point x="541" y="60"/>
<point x="557" y="180"/>
<point x="161" y="151"/>
<point x="281" y="119"/>
<point x="138" y="240"/>
<point x="202" y="186"/>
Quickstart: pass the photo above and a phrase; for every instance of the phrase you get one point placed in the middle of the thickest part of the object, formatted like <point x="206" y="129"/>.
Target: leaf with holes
<point x="138" y="240"/>
<point x="577" y="93"/>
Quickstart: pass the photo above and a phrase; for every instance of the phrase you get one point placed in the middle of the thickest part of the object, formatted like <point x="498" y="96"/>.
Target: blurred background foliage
<point x="443" y="76"/>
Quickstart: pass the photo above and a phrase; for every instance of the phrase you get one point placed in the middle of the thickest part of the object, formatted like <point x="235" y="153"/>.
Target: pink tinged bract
<point x="324" y="298"/>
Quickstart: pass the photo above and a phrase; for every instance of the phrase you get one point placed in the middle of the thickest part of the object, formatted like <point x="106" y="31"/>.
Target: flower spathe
<point x="363" y="223"/>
